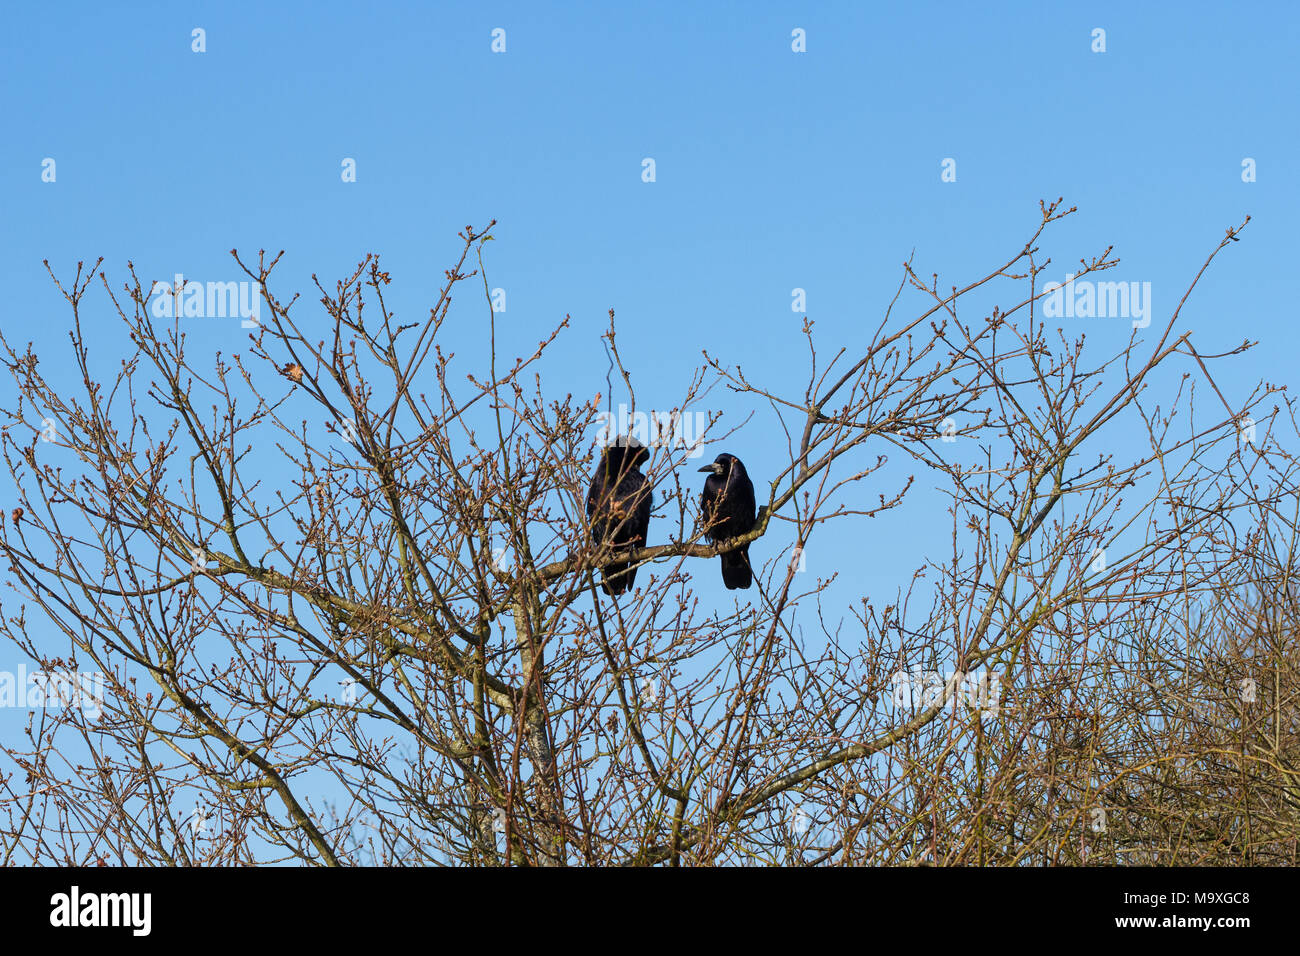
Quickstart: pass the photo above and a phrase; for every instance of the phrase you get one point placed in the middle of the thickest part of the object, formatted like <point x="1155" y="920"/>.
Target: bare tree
<point x="400" y="653"/>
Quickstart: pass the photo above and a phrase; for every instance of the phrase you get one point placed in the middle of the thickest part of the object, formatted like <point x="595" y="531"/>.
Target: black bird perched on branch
<point x="727" y="507"/>
<point x="618" y="506"/>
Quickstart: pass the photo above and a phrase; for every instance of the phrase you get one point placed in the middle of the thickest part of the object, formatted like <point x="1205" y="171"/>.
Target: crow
<point x="727" y="507"/>
<point x="618" y="507"/>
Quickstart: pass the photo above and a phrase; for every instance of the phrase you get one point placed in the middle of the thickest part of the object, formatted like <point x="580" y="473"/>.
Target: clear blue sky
<point x="775" y="169"/>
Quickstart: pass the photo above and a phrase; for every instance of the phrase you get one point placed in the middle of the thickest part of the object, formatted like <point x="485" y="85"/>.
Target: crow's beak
<point x="707" y="468"/>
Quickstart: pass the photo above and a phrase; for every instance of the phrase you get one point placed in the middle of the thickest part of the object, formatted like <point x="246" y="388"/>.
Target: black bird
<point x="727" y="507"/>
<point x="618" y="506"/>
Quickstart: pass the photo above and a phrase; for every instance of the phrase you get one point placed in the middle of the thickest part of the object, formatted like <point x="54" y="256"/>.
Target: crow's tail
<point x="617" y="578"/>
<point x="736" y="573"/>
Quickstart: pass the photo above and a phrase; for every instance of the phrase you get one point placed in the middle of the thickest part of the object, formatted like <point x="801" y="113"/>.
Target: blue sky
<point x="774" y="169"/>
